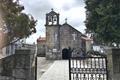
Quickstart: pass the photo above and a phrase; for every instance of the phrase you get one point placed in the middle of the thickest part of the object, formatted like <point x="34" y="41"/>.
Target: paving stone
<point x="58" y="71"/>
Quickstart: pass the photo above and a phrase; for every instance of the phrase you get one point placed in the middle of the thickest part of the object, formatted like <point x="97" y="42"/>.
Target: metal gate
<point x="88" y="68"/>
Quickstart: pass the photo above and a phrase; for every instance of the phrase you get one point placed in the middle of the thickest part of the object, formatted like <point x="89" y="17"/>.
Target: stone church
<point x="58" y="38"/>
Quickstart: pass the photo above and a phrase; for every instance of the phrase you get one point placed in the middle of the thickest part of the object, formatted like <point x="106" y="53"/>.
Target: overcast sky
<point x="73" y="10"/>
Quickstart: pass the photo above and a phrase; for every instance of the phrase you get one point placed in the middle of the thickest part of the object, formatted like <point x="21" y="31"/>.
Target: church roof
<point x="66" y="24"/>
<point x="52" y="12"/>
<point x="41" y="39"/>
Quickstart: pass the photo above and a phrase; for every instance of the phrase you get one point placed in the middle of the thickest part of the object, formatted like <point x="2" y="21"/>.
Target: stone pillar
<point x="26" y="64"/>
<point x="20" y="66"/>
<point x="113" y="56"/>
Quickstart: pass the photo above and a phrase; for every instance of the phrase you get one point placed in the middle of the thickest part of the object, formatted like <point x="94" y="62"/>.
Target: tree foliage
<point x="17" y="24"/>
<point x="103" y="20"/>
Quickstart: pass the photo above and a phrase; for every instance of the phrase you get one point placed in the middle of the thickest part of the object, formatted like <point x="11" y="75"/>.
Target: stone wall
<point x="113" y="56"/>
<point x="69" y="37"/>
<point x="51" y="55"/>
<point x="41" y="50"/>
<point x="20" y="66"/>
<point x="88" y="45"/>
<point x="110" y="64"/>
<point x="3" y="52"/>
<point x="52" y="37"/>
<point x="52" y="42"/>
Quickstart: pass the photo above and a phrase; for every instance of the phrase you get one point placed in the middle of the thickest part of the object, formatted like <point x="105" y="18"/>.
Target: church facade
<point x="59" y="37"/>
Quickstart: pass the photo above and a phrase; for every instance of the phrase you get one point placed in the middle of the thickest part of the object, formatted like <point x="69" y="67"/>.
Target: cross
<point x="65" y="20"/>
<point x="52" y="9"/>
<point x="55" y="37"/>
<point x="74" y="36"/>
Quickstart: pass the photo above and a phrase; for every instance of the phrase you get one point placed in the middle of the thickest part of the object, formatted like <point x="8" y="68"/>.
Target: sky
<point x="73" y="10"/>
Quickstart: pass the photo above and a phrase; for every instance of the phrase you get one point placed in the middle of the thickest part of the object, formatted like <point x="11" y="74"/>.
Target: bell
<point x="55" y="19"/>
<point x="50" y="20"/>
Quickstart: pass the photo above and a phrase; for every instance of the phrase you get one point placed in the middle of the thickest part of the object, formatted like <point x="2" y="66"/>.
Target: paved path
<point x="42" y="66"/>
<point x="58" y="71"/>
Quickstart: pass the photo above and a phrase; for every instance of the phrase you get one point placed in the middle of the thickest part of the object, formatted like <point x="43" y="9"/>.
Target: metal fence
<point x="88" y="68"/>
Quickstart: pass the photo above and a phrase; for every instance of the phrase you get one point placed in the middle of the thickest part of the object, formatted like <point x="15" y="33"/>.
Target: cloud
<point x="72" y="9"/>
<point x="80" y="3"/>
<point x="36" y="7"/>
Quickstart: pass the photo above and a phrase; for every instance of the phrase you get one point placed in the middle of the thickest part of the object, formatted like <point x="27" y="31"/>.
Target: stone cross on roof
<point x="65" y="20"/>
<point x="52" y="9"/>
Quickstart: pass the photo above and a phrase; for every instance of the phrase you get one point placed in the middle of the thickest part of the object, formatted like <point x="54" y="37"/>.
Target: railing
<point x="88" y="68"/>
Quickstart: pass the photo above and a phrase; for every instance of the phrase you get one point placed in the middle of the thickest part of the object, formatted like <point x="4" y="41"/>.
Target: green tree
<point x="103" y="20"/>
<point x="17" y="24"/>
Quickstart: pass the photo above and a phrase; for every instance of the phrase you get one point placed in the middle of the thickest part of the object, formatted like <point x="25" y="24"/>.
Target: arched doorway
<point x="65" y="53"/>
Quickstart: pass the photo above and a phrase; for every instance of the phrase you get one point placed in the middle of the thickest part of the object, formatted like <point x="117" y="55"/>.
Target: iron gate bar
<point x="88" y="68"/>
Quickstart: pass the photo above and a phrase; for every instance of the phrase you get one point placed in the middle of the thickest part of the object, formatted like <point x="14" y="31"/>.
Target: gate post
<point x="69" y="69"/>
<point x="113" y="58"/>
<point x="25" y="63"/>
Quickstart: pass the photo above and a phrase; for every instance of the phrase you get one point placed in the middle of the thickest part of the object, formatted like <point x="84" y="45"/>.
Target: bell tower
<point x="52" y="34"/>
<point x="52" y="18"/>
